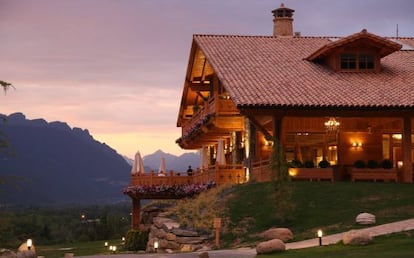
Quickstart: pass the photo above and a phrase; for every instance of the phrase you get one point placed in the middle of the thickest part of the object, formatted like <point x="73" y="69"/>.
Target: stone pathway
<point x="384" y="229"/>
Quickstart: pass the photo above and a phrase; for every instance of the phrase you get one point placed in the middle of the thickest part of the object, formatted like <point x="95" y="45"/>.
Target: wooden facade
<point x="339" y="100"/>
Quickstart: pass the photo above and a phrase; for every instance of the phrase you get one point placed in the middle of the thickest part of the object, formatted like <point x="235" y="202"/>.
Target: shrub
<point x="295" y="164"/>
<point x="199" y="211"/>
<point x="359" y="164"/>
<point x="372" y="164"/>
<point x="309" y="164"/>
<point x="324" y="164"/>
<point x="136" y="240"/>
<point x="387" y="164"/>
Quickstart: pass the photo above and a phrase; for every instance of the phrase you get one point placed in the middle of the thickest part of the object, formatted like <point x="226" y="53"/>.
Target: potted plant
<point x="324" y="164"/>
<point x="308" y="164"/>
<point x="372" y="164"/>
<point x="387" y="164"/>
<point x="295" y="164"/>
<point x="359" y="164"/>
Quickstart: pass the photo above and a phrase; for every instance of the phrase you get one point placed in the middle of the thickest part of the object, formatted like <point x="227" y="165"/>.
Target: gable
<point x="364" y="39"/>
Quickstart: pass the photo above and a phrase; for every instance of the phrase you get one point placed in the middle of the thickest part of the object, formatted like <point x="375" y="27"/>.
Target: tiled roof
<point x="271" y="71"/>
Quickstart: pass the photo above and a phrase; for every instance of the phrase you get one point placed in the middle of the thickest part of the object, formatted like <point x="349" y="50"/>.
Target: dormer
<point x="359" y="52"/>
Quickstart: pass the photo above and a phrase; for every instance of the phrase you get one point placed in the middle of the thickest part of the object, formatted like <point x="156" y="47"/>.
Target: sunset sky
<point x="117" y="67"/>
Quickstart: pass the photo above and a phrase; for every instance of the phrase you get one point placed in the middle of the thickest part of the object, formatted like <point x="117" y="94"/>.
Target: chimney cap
<point x="283" y="11"/>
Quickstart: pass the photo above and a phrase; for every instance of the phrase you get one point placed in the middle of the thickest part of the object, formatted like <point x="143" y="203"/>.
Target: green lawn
<point x="79" y="249"/>
<point x="399" y="245"/>
<point x="330" y="206"/>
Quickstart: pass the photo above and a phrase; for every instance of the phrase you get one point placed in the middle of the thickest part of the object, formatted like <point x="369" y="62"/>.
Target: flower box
<point x="312" y="173"/>
<point x="374" y="174"/>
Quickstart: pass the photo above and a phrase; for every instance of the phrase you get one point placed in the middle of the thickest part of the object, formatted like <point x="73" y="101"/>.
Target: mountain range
<point x="172" y="162"/>
<point x="52" y="163"/>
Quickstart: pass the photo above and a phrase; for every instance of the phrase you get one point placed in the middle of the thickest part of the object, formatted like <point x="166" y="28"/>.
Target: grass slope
<point x="396" y="246"/>
<point x="330" y="206"/>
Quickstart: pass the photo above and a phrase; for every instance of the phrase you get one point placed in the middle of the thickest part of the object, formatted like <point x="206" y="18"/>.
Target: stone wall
<point x="171" y="238"/>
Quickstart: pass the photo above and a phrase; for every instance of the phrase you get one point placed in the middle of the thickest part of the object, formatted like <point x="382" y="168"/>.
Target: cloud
<point x="117" y="68"/>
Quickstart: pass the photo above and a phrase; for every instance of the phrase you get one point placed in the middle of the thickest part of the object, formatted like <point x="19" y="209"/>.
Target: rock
<point x="203" y="255"/>
<point x="23" y="247"/>
<point x="26" y="254"/>
<point x="356" y="237"/>
<point x="270" y="246"/>
<point x="186" y="248"/>
<point x="283" y="234"/>
<point x="159" y="221"/>
<point x="158" y="233"/>
<point x="190" y="240"/>
<point x="6" y="253"/>
<point x="170" y="237"/>
<point x="185" y="233"/>
<point x="168" y="226"/>
<point x="365" y="219"/>
<point x="173" y="245"/>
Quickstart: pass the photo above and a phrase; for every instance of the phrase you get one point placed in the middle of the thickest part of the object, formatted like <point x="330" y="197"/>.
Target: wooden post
<point x="136" y="213"/>
<point x="217" y="227"/>
<point x="406" y="149"/>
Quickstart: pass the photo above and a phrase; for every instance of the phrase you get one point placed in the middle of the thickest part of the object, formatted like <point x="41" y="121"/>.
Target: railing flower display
<point x="166" y="191"/>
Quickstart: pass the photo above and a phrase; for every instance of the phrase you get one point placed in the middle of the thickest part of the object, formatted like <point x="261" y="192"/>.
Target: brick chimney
<point x="283" y="21"/>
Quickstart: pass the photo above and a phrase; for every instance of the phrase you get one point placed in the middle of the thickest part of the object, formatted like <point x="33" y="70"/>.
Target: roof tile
<point x="272" y="71"/>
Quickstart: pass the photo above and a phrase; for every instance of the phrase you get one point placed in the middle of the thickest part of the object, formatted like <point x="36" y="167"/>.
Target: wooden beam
<point x="198" y="86"/>
<point x="260" y="127"/>
<point x="136" y="213"/>
<point x="406" y="144"/>
<point x="325" y="111"/>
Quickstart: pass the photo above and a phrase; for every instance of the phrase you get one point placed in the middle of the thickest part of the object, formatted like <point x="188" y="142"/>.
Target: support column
<point x="136" y="213"/>
<point x="406" y="148"/>
<point x="277" y="128"/>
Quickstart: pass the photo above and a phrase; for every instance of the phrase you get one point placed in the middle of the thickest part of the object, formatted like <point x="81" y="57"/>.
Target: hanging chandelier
<point x="332" y="124"/>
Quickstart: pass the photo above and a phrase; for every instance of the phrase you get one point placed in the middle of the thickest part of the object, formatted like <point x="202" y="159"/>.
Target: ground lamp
<point x="29" y="244"/>
<point x="320" y="237"/>
<point x="112" y="248"/>
<point x="156" y="245"/>
<point x="106" y="243"/>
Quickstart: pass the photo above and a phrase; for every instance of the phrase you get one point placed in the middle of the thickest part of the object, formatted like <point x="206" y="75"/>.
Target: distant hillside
<point x="52" y="163"/>
<point x="172" y="162"/>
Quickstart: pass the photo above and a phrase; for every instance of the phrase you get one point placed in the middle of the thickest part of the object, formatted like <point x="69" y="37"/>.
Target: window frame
<point x="351" y="61"/>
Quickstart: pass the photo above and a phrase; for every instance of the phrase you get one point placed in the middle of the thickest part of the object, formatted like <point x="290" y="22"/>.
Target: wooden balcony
<point x="227" y="174"/>
<point x="218" y="108"/>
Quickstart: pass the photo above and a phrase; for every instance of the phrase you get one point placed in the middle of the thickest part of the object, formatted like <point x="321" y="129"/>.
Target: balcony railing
<point x="228" y="174"/>
<point x="260" y="171"/>
<point x="220" y="107"/>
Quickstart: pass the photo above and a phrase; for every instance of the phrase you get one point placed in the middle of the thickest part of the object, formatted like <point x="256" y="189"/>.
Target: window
<point x="366" y="62"/>
<point x="348" y="61"/>
<point x="357" y="62"/>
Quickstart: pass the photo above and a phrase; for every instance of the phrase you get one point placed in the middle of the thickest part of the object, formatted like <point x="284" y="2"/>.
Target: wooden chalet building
<point x="340" y="99"/>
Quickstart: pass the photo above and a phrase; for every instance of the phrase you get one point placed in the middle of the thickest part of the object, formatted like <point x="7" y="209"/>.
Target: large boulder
<point x="6" y="253"/>
<point x="26" y="254"/>
<point x="365" y="219"/>
<point x="203" y="255"/>
<point x="283" y="234"/>
<point x="270" y="246"/>
<point x="356" y="237"/>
